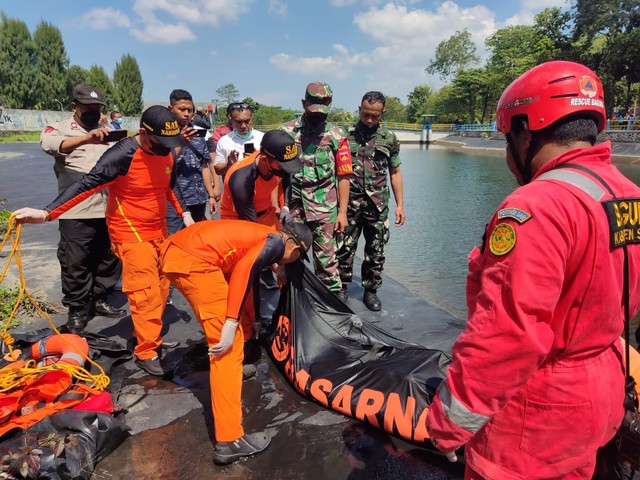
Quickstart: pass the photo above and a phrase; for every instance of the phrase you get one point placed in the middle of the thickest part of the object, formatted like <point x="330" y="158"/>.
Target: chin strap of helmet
<point x="524" y="168"/>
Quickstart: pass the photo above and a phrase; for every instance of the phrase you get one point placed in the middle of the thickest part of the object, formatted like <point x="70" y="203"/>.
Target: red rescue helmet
<point x="551" y="91"/>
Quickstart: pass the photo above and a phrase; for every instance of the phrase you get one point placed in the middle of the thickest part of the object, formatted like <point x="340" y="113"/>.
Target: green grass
<point x="4" y="218"/>
<point x="9" y="297"/>
<point x="21" y="137"/>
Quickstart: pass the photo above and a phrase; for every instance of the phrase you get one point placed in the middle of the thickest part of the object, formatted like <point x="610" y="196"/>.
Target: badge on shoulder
<point x="517" y="214"/>
<point x="503" y="239"/>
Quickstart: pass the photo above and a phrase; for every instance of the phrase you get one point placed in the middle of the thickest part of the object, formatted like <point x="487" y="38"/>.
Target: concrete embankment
<point x="621" y="152"/>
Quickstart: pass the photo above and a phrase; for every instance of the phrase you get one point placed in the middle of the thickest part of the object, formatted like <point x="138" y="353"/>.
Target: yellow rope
<point x="11" y="377"/>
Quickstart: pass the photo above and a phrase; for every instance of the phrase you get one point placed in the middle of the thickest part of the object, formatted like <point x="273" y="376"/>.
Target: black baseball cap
<point x="282" y="147"/>
<point x="162" y="124"/>
<point x="87" y="94"/>
<point x="301" y="234"/>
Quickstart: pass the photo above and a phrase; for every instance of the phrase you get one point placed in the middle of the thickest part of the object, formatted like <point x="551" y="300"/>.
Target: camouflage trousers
<point x="364" y="217"/>
<point x="325" y="261"/>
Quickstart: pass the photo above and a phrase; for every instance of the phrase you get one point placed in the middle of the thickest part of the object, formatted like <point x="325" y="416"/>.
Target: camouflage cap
<point x="318" y="97"/>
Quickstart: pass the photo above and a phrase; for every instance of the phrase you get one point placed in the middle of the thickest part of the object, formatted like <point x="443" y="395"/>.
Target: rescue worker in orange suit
<point x="249" y="184"/>
<point x="139" y="174"/>
<point x="215" y="265"/>
<point x="249" y="188"/>
<point x="536" y="383"/>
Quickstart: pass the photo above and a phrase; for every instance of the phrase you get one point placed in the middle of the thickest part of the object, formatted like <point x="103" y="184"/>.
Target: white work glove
<point x="226" y="338"/>
<point x="187" y="219"/>
<point x="285" y="215"/>
<point x="451" y="456"/>
<point x="30" y="215"/>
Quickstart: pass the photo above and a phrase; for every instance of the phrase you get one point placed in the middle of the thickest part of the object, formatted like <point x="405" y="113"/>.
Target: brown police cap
<point x="87" y="94"/>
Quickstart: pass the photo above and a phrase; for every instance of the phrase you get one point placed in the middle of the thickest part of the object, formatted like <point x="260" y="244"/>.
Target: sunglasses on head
<point x="238" y="106"/>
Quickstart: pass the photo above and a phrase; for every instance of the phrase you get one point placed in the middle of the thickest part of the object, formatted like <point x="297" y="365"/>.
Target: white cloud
<point x="370" y="3"/>
<point x="343" y="3"/>
<point x="163" y="33"/>
<point x="405" y="39"/>
<point x="104" y="19"/>
<point x="527" y="13"/>
<point x="205" y="12"/>
<point x="311" y="66"/>
<point x="278" y="8"/>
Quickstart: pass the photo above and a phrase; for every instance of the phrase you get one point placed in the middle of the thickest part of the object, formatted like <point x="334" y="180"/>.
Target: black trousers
<point x="89" y="269"/>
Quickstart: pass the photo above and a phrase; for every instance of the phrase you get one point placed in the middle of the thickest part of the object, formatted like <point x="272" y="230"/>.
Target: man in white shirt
<point x="240" y="142"/>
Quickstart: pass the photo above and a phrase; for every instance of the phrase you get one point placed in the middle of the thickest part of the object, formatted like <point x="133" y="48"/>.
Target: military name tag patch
<point x="518" y="215"/>
<point x="623" y="215"/>
<point x="503" y="239"/>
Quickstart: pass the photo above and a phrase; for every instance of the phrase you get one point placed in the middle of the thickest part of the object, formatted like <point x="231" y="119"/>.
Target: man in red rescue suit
<point x="536" y="384"/>
<point x="139" y="174"/>
<point x="215" y="265"/>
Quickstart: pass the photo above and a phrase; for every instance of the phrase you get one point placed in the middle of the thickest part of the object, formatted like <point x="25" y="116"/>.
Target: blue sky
<point x="270" y="49"/>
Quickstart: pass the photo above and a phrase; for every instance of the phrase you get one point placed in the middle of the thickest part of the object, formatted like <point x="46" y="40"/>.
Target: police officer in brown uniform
<point x="89" y="269"/>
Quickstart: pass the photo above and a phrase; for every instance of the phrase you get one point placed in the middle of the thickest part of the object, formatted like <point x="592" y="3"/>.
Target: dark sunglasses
<point x="318" y="101"/>
<point x="238" y="106"/>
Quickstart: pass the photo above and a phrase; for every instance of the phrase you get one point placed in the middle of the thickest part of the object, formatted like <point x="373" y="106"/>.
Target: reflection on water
<point x="449" y="198"/>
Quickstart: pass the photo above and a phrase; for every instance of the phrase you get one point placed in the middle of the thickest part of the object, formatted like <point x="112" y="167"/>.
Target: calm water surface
<point x="449" y="198"/>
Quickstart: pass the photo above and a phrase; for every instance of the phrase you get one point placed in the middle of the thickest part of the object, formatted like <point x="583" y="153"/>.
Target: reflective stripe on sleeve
<point x="458" y="413"/>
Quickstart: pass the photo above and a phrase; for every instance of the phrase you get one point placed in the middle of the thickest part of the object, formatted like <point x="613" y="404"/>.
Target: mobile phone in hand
<point x="249" y="148"/>
<point x="115" y="135"/>
<point x="202" y="132"/>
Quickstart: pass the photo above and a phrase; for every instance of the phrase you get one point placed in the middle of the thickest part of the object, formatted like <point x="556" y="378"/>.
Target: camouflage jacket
<point x="325" y="156"/>
<point x="372" y="156"/>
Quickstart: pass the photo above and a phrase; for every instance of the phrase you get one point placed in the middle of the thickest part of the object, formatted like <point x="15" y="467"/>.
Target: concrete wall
<point x="14" y="121"/>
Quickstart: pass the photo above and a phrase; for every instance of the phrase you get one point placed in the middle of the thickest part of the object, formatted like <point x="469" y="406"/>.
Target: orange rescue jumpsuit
<point x="198" y="260"/>
<point x="247" y="196"/>
<point x="139" y="186"/>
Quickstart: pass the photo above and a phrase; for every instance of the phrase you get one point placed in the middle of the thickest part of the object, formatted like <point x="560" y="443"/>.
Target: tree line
<point x="35" y="72"/>
<point x="602" y="34"/>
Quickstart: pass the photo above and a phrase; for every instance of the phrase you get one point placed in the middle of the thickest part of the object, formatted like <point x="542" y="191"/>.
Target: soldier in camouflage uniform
<point x="320" y="191"/>
<point x="375" y="150"/>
